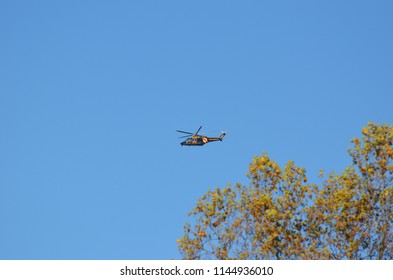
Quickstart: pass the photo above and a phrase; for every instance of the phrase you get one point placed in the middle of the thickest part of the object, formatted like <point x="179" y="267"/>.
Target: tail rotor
<point x="223" y="133"/>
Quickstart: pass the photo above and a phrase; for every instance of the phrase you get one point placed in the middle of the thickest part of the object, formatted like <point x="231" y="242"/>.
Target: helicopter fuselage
<point x="200" y="140"/>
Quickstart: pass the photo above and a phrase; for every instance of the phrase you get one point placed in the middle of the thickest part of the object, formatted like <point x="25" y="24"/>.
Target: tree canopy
<point x="280" y="215"/>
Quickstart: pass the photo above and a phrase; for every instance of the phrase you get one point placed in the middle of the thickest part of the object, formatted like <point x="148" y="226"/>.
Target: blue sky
<point x="92" y="92"/>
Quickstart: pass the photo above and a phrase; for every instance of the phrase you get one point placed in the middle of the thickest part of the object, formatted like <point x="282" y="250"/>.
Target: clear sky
<point x="92" y="93"/>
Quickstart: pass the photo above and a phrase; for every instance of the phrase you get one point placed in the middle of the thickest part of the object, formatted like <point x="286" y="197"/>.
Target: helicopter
<point x="194" y="139"/>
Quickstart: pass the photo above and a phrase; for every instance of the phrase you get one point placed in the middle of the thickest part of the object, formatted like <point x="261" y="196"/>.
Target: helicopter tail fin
<point x="222" y="135"/>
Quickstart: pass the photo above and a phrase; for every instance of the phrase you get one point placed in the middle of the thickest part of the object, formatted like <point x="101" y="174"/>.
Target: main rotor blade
<point x="184" y="132"/>
<point x="184" y="136"/>
<point x="196" y="133"/>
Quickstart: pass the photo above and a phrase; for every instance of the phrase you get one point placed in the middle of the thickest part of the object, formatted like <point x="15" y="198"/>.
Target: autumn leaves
<point x="279" y="215"/>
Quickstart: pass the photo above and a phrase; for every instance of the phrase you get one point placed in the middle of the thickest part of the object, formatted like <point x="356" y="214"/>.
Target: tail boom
<point x="219" y="138"/>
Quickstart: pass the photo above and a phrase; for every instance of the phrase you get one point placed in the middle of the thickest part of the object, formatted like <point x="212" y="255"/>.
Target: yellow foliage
<point x="278" y="215"/>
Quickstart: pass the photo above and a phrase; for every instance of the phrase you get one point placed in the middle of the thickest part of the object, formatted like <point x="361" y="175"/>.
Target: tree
<point x="355" y="208"/>
<point x="279" y="215"/>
